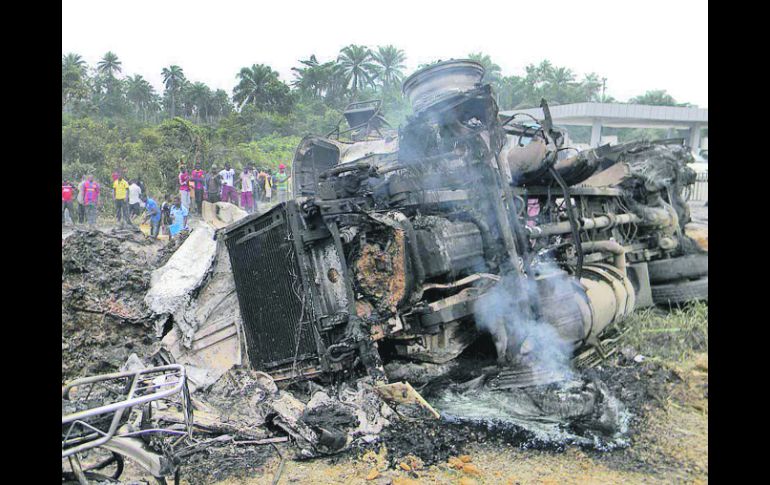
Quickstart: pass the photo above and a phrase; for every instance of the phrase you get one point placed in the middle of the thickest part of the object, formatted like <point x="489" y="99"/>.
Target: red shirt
<point x="197" y="177"/>
<point x="184" y="181"/>
<point x="66" y="192"/>
<point x="91" y="192"/>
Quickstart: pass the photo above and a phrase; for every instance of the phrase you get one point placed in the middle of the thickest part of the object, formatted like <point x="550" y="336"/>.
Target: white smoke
<point x="504" y="312"/>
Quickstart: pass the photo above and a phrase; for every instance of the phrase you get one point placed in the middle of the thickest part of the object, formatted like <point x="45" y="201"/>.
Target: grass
<point x="672" y="335"/>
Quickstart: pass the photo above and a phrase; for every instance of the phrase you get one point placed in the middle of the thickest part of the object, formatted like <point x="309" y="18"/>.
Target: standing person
<point x="198" y="178"/>
<point x="213" y="185"/>
<point x="141" y="185"/>
<point x="67" y="194"/>
<point x="247" y="190"/>
<point x="254" y="186"/>
<point x="91" y="199"/>
<point x="153" y="214"/>
<point x="184" y="186"/>
<point x="165" y="215"/>
<point x="81" y="202"/>
<point x="179" y="215"/>
<point x="282" y="183"/>
<point x="228" y="184"/>
<point x="134" y="199"/>
<point x="120" y="195"/>
<point x="267" y="186"/>
<point x="259" y="186"/>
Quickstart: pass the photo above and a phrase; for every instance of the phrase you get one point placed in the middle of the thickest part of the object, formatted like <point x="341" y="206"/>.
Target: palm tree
<point x="259" y="85"/>
<point x="511" y="92"/>
<point x="591" y="87"/>
<point x="73" y="62"/>
<point x="106" y="68"/>
<point x="109" y="65"/>
<point x="140" y="93"/>
<point x="154" y="105"/>
<point x="561" y="76"/>
<point x="355" y="64"/>
<point x="560" y="82"/>
<point x="173" y="78"/>
<point x="308" y="78"/>
<point x="656" y="97"/>
<point x="185" y="105"/>
<point x="492" y="72"/>
<point x="74" y="85"/>
<point x="200" y="95"/>
<point x="219" y="104"/>
<point x="390" y="61"/>
<point x="317" y="79"/>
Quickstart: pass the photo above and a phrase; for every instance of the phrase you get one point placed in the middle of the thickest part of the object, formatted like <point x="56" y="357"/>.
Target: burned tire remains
<point x="682" y="291"/>
<point x="691" y="266"/>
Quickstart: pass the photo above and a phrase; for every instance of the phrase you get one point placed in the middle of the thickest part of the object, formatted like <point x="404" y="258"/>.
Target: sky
<point x="636" y="45"/>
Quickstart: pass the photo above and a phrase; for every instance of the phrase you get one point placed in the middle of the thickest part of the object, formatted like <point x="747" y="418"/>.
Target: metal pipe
<point x="612" y="247"/>
<point x="585" y="223"/>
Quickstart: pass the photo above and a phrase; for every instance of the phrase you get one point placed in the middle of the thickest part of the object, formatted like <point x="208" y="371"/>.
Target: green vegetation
<point x="112" y="119"/>
<point x="674" y="335"/>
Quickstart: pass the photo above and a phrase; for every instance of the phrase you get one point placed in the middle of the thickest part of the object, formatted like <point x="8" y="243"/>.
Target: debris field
<point x="390" y="304"/>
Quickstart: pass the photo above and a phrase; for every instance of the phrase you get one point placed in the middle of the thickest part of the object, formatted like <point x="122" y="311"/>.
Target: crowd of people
<point x="251" y="186"/>
<point x="169" y="215"/>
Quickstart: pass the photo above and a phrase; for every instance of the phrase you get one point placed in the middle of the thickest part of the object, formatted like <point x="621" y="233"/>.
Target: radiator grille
<point x="271" y="289"/>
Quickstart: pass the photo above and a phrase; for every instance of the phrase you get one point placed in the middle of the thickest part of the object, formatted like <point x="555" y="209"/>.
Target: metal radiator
<point x="273" y="287"/>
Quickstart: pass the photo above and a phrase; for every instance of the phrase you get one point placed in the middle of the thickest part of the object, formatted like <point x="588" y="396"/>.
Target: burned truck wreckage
<point x="411" y="245"/>
<point x="464" y="236"/>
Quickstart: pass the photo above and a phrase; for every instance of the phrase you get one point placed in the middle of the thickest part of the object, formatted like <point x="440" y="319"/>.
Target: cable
<point x="572" y="221"/>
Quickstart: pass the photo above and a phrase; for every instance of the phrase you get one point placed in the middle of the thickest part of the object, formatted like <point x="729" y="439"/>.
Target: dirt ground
<point x="669" y="442"/>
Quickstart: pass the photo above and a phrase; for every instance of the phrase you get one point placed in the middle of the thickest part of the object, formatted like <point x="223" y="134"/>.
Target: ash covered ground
<point x="105" y="275"/>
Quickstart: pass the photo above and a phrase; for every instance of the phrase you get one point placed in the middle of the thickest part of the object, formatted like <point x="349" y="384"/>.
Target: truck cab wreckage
<point x="463" y="232"/>
<point x="411" y="245"/>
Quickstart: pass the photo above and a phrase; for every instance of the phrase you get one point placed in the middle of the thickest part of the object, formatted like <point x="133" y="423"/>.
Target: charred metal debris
<point x="409" y="245"/>
<point x="462" y="236"/>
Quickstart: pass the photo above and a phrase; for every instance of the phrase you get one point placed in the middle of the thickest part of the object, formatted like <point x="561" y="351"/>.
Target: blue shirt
<point x="150" y="206"/>
<point x="177" y="216"/>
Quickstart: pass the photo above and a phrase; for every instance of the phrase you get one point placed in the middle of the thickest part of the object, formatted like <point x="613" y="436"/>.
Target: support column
<point x="596" y="133"/>
<point x="695" y="138"/>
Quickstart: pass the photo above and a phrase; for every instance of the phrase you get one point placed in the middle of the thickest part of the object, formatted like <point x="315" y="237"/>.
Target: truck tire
<point x="681" y="291"/>
<point x="690" y="266"/>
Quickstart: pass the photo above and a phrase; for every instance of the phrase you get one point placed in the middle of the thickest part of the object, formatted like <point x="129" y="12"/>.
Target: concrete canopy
<point x="617" y="115"/>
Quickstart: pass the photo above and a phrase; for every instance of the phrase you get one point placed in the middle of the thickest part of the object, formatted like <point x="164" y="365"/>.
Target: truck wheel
<point x="673" y="269"/>
<point x="681" y="291"/>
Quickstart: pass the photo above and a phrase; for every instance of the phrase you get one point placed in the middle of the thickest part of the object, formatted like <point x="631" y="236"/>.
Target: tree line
<point x="112" y="119"/>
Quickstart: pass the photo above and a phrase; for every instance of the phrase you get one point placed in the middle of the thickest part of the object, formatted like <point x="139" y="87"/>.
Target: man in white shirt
<point x="81" y="203"/>
<point x="228" y="184"/>
<point x="134" y="202"/>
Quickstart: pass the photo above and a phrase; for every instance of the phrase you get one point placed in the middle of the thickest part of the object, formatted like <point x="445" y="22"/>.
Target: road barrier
<point x="699" y="191"/>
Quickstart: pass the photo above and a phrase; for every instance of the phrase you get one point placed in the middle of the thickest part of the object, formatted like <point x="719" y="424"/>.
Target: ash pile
<point x="457" y="280"/>
<point x="105" y="276"/>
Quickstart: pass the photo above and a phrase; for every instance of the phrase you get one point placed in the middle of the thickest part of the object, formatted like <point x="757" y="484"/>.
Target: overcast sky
<point x="636" y="45"/>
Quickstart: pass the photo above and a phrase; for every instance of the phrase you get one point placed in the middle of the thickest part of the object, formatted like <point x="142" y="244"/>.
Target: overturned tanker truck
<point x="412" y="244"/>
